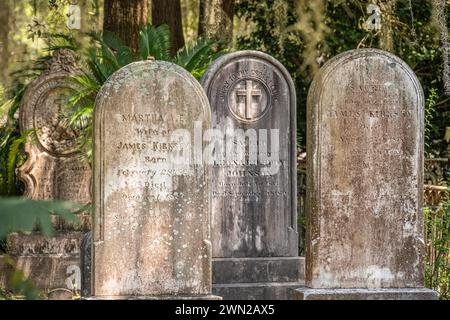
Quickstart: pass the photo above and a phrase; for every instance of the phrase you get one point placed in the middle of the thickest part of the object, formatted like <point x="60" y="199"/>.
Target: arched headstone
<point x="365" y="180"/>
<point x="54" y="169"/>
<point x="151" y="235"/>
<point x="254" y="204"/>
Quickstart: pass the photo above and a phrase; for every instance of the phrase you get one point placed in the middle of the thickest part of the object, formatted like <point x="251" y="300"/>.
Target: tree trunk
<point x="169" y="12"/>
<point x="387" y="8"/>
<point x="125" y="18"/>
<point x="4" y="47"/>
<point x="216" y="20"/>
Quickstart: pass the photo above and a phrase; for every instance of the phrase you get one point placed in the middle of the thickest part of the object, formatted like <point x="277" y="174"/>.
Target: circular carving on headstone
<point x="248" y="99"/>
<point x="51" y="118"/>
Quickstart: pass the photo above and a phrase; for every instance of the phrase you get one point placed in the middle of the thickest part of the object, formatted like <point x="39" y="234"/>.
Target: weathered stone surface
<point x="257" y="291"/>
<point x="19" y="244"/>
<point x="365" y="165"/>
<point x="365" y="294"/>
<point x="54" y="169"/>
<point x="50" y="262"/>
<point x="254" y="270"/>
<point x="254" y="213"/>
<point x="258" y="279"/>
<point x="151" y="233"/>
<point x="238" y="279"/>
<point x="254" y="197"/>
<point x="47" y="271"/>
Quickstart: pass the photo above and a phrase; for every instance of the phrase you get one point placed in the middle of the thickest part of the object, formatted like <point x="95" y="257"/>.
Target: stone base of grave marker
<point x="52" y="263"/>
<point x="257" y="278"/>
<point x="85" y="266"/>
<point x="86" y="278"/>
<point x="366" y="294"/>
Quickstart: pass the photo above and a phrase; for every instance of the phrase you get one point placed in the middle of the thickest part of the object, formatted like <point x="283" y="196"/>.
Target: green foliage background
<point x="416" y="42"/>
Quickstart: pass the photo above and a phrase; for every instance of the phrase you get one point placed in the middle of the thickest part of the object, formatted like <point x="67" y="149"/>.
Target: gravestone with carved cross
<point x="251" y="106"/>
<point x="254" y="218"/>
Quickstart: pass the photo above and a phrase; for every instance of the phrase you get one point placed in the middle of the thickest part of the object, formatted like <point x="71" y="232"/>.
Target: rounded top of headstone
<point x="128" y="74"/>
<point x="365" y="159"/>
<point x="45" y="105"/>
<point x="248" y="84"/>
<point x="391" y="62"/>
<point x="235" y="57"/>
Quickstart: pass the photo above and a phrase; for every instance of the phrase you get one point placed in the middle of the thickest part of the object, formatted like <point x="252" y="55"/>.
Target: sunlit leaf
<point x="22" y="214"/>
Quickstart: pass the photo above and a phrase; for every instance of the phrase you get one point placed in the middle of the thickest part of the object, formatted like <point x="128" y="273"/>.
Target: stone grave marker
<point x="254" y="217"/>
<point x="53" y="170"/>
<point x="365" y="180"/>
<point x="151" y="235"/>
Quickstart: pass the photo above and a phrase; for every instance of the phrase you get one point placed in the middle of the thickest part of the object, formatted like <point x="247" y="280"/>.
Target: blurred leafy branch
<point x="19" y="287"/>
<point x="19" y="214"/>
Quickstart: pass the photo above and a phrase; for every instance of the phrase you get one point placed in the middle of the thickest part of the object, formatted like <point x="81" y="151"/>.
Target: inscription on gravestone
<point x="151" y="233"/>
<point x="254" y="217"/>
<point x="365" y="180"/>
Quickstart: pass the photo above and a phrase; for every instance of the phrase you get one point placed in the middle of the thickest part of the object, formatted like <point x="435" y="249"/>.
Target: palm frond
<point x="190" y="56"/>
<point x="110" y="40"/>
<point x="196" y="57"/>
<point x="114" y="50"/>
<point x="124" y="56"/>
<point x="58" y="40"/>
<point x="154" y="42"/>
<point x="14" y="150"/>
<point x="88" y="83"/>
<point x="97" y="69"/>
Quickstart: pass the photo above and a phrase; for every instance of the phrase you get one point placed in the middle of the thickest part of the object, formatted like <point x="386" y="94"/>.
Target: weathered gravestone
<point x="151" y="235"/>
<point x="365" y="179"/>
<point x="53" y="170"/>
<point x="254" y="218"/>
